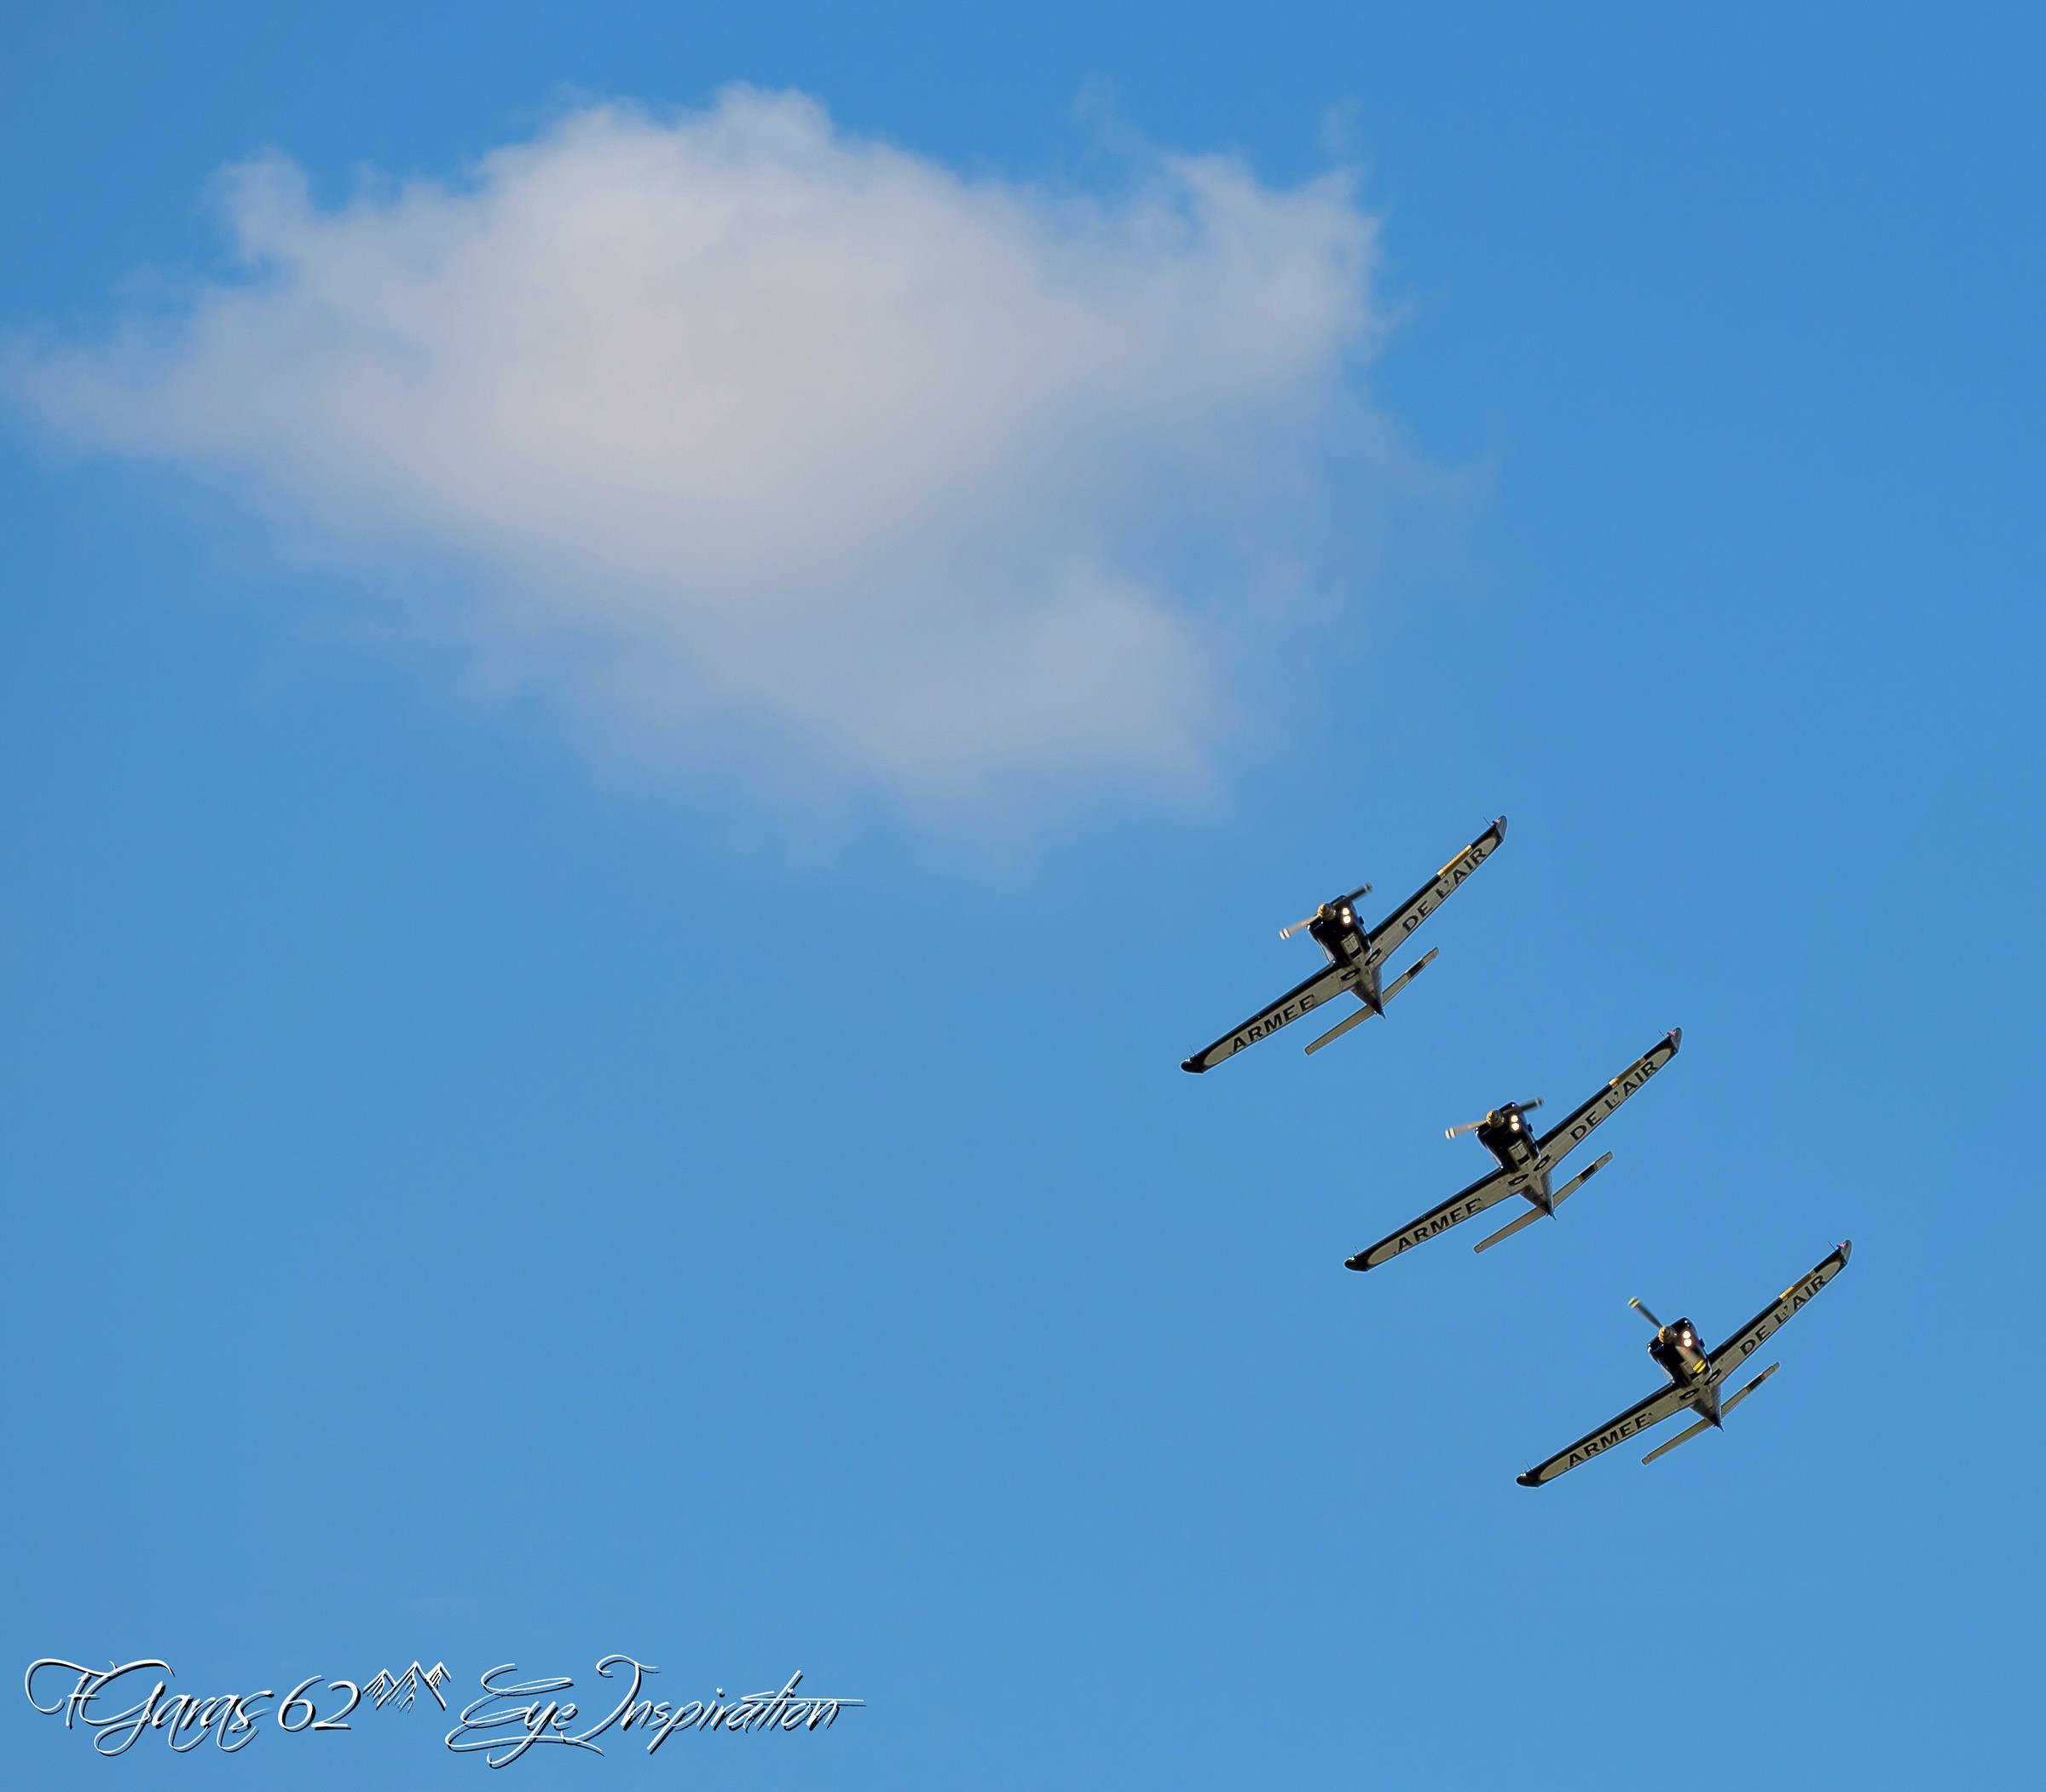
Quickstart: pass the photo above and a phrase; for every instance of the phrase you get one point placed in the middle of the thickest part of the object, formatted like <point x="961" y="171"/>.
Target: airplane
<point x="1357" y="956"/>
<point x="1694" y="1374"/>
<point x="1524" y="1161"/>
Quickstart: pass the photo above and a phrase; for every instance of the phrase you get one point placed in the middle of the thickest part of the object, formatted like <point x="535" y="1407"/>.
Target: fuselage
<point x="1681" y="1354"/>
<point x="1343" y="941"/>
<point x="1504" y="1132"/>
<point x="1336" y="931"/>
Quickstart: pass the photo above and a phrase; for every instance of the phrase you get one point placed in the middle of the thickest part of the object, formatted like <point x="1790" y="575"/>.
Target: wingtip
<point x="1676" y="1038"/>
<point x="1528" y="1479"/>
<point x="1358" y="1262"/>
<point x="1501" y="823"/>
<point x="1194" y="1065"/>
<point x="1847" y="1249"/>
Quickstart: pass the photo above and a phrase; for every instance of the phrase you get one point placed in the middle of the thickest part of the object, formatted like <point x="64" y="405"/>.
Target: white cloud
<point x="758" y="444"/>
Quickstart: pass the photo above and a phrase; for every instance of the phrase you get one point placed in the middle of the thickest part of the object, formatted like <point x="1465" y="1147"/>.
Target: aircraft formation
<point x="1526" y="1160"/>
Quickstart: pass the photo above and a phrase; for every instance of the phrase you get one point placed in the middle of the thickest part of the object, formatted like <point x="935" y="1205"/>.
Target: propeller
<point x="1645" y="1313"/>
<point x="1451" y="1132"/>
<point x="1287" y="933"/>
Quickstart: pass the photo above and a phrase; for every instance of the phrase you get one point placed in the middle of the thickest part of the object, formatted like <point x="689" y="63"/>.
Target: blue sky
<point x="488" y="1186"/>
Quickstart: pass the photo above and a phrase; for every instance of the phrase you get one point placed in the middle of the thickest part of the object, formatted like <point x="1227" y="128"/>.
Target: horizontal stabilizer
<point x="1509" y="1229"/>
<point x="1535" y="1213"/>
<point x="1341" y="1027"/>
<point x="1407" y="976"/>
<point x="1578" y="1181"/>
<point x="1703" y="1425"/>
<point x="1735" y="1399"/>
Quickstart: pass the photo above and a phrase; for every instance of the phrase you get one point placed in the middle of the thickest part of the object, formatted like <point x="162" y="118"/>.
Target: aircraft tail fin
<point x="1370" y="1008"/>
<point x="1556" y="1200"/>
<point x="1706" y="1425"/>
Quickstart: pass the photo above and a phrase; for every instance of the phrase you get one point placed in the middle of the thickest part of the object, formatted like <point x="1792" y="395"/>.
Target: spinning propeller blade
<point x="1287" y="933"/>
<point x="1451" y="1132"/>
<point x="1645" y="1313"/>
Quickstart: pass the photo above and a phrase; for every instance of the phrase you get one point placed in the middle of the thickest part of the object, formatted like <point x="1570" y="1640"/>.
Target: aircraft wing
<point x="1323" y="987"/>
<point x="1572" y="1131"/>
<point x="1752" y="1336"/>
<point x="1385" y="938"/>
<point x="1634" y="1420"/>
<point x="1486" y="1191"/>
